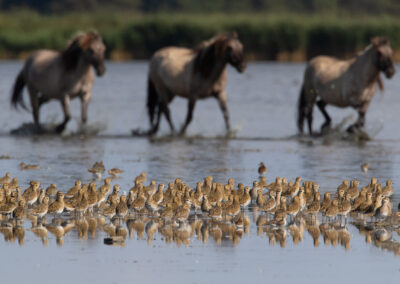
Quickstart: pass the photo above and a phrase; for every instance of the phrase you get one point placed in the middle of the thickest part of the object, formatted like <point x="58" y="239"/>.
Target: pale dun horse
<point x="61" y="75"/>
<point x="192" y="74"/>
<point x="344" y="83"/>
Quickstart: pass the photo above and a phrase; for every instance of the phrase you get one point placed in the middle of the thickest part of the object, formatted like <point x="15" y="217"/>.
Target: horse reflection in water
<point x="61" y="75"/>
<point x="344" y="83"/>
<point x="192" y="74"/>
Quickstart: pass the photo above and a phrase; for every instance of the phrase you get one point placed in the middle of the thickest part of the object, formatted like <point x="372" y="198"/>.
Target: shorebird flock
<point x="220" y="210"/>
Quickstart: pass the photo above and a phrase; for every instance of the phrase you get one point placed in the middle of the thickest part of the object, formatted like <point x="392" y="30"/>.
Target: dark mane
<point x="380" y="41"/>
<point x="70" y="55"/>
<point x="207" y="54"/>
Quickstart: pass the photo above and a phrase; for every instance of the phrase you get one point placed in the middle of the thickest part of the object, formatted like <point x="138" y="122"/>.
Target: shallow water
<point x="262" y="107"/>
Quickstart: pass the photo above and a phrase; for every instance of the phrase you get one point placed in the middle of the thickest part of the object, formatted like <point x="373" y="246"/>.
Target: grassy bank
<point x="266" y="37"/>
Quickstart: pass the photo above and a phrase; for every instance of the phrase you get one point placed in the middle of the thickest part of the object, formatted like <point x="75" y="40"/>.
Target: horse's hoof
<point x="230" y="134"/>
<point x="182" y="132"/>
<point x="149" y="133"/>
<point x="325" y="128"/>
<point x="352" y="129"/>
<point x="60" y="129"/>
<point x="143" y="133"/>
<point x="39" y="130"/>
<point x="173" y="133"/>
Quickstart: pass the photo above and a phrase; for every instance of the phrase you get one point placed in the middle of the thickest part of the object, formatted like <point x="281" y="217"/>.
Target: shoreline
<point x="299" y="56"/>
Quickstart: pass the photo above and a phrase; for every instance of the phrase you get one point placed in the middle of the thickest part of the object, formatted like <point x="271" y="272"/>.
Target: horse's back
<point x="327" y="68"/>
<point x="45" y="73"/>
<point x="326" y="77"/>
<point x="41" y="63"/>
<point x="171" y="59"/>
<point x="171" y="68"/>
<point x="42" y="59"/>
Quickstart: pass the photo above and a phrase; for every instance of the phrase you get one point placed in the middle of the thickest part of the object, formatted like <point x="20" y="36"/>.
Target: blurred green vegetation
<point x="352" y="7"/>
<point x="277" y="36"/>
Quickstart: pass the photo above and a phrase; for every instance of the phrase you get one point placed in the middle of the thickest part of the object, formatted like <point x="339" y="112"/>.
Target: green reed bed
<point x="137" y="36"/>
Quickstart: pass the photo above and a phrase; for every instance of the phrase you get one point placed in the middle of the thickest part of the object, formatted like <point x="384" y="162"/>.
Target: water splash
<point x="30" y="129"/>
<point x="339" y="132"/>
<point x="91" y="129"/>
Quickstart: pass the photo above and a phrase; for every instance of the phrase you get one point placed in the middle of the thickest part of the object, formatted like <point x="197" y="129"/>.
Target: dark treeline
<point x="366" y="7"/>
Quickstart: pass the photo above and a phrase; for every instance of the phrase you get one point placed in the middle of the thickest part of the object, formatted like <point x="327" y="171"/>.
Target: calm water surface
<point x="262" y="107"/>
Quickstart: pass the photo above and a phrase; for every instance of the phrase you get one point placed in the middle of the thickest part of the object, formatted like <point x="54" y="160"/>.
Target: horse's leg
<point x="309" y="116"/>
<point x="362" y="110"/>
<point x="191" y="104"/>
<point x="321" y="105"/>
<point x="155" y="126"/>
<point x="67" y="115"/>
<point x="33" y="94"/>
<point x="305" y="108"/>
<point x="85" y="99"/>
<point x="359" y="123"/>
<point x="166" y="112"/>
<point x="361" y="118"/>
<point x="222" y="104"/>
<point x="361" y="114"/>
<point x="42" y="100"/>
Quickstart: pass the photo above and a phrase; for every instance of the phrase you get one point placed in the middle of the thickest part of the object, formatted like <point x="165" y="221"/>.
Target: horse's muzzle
<point x="389" y="72"/>
<point x="100" y="70"/>
<point x="241" y="67"/>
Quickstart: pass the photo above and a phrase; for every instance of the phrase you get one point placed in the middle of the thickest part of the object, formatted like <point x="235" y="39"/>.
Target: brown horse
<point x="192" y="74"/>
<point x="344" y="83"/>
<point x="61" y="75"/>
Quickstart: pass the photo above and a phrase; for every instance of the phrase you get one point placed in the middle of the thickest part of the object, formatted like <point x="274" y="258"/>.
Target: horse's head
<point x="384" y="60"/>
<point x="90" y="48"/>
<point x="223" y="48"/>
<point x="232" y="49"/>
<point x="93" y="49"/>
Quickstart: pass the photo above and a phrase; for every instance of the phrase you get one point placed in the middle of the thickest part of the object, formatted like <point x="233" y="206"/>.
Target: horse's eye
<point x="91" y="51"/>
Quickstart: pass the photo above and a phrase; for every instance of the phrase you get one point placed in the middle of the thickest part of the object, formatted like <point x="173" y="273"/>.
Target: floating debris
<point x="113" y="240"/>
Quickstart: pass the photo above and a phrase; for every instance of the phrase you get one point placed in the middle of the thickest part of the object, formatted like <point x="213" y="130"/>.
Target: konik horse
<point x="192" y="74"/>
<point x="61" y="75"/>
<point x="344" y="83"/>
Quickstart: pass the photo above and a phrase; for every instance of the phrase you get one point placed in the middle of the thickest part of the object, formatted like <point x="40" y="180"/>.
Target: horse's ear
<point x="234" y="34"/>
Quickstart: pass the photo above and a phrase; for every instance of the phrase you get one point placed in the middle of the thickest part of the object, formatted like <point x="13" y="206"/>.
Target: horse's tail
<point x="301" y="109"/>
<point x="152" y="100"/>
<point x="16" y="96"/>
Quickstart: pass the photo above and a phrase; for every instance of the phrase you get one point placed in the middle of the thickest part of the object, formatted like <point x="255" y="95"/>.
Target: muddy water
<point x="262" y="107"/>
